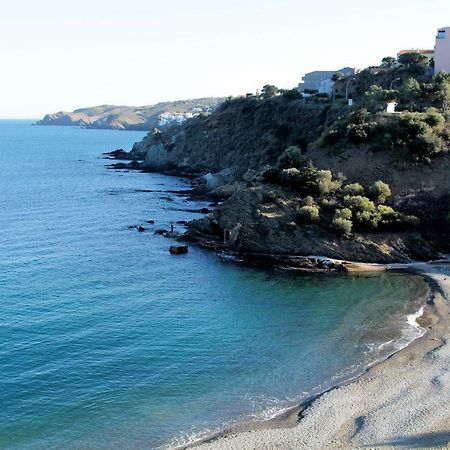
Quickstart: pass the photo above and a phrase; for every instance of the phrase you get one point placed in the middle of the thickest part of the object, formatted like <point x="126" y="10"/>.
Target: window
<point x="441" y="34"/>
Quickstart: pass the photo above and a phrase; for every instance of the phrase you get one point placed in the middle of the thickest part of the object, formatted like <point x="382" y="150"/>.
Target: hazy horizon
<point x="66" y="56"/>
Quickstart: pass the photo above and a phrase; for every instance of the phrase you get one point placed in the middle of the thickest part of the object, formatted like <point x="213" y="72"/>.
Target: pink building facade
<point x="442" y="50"/>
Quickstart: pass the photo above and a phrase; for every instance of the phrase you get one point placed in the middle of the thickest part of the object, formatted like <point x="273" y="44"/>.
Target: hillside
<point x="133" y="117"/>
<point x="302" y="176"/>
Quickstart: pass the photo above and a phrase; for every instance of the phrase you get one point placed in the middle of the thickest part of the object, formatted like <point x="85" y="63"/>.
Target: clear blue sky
<point x="57" y="55"/>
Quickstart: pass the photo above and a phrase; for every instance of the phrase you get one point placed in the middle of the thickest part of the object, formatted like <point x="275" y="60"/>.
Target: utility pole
<point x="392" y="83"/>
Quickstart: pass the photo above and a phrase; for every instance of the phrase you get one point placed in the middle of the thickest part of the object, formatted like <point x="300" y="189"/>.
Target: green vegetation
<point x="350" y="209"/>
<point x="414" y="136"/>
<point x="353" y="189"/>
<point x="309" y="214"/>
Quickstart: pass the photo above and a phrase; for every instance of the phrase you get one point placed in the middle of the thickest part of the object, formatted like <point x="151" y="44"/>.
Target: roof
<point x="415" y="50"/>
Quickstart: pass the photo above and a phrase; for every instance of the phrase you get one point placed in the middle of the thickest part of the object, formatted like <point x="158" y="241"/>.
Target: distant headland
<point x="133" y="117"/>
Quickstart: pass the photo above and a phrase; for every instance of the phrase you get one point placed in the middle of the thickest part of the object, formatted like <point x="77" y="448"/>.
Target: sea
<point x="107" y="341"/>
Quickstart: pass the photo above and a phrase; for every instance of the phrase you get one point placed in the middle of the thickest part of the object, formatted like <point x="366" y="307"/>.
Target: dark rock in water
<point x="141" y="229"/>
<point x="120" y="154"/>
<point x="133" y="165"/>
<point x="131" y="227"/>
<point x="182" y="222"/>
<point x="167" y="199"/>
<point x="205" y="211"/>
<point x="150" y="221"/>
<point x="178" y="249"/>
<point x="161" y="231"/>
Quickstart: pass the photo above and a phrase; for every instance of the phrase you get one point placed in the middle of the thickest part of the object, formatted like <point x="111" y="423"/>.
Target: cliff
<point x="302" y="176"/>
<point x="133" y="117"/>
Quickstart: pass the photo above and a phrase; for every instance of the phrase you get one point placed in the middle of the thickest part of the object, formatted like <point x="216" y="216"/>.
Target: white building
<point x="442" y="50"/>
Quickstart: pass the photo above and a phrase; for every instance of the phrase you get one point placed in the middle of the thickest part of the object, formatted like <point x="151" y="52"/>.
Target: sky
<point x="57" y="55"/>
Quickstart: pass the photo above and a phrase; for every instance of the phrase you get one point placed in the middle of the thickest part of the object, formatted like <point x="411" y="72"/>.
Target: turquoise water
<point x="109" y="342"/>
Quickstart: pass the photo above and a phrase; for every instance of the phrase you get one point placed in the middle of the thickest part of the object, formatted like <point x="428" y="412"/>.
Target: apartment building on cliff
<point x="321" y="80"/>
<point x="442" y="50"/>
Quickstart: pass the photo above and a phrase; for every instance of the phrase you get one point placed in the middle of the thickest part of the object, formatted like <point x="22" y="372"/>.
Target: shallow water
<point x="108" y="341"/>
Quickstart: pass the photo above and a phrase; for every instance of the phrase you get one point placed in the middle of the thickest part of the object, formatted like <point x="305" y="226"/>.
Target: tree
<point x="380" y="191"/>
<point x="292" y="94"/>
<point x="442" y="89"/>
<point x="412" y="58"/>
<point x="291" y="157"/>
<point x="337" y="76"/>
<point x="376" y="98"/>
<point x="269" y="90"/>
<point x="410" y="91"/>
<point x="388" y="61"/>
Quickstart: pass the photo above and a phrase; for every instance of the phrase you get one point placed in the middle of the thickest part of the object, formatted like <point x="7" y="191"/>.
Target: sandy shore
<point x="400" y="403"/>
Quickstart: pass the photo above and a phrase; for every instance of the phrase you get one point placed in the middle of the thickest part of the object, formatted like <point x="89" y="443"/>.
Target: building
<point x="321" y="80"/>
<point x="428" y="53"/>
<point x="442" y="50"/>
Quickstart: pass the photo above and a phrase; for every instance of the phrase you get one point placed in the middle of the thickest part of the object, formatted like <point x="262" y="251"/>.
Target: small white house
<point x="390" y="109"/>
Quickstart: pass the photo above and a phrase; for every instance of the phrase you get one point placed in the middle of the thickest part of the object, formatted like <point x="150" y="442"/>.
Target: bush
<point x="368" y="219"/>
<point x="308" y="201"/>
<point x="269" y="196"/>
<point x="291" y="176"/>
<point x="309" y="214"/>
<point x="343" y="226"/>
<point x="309" y="180"/>
<point x="329" y="203"/>
<point x="326" y="183"/>
<point x="344" y="213"/>
<point x="434" y="120"/>
<point x="413" y="133"/>
<point x="410" y="220"/>
<point x="292" y="94"/>
<point x="359" y="127"/>
<point x="353" y="189"/>
<point x="380" y="191"/>
<point x="291" y="157"/>
<point x="359" y="203"/>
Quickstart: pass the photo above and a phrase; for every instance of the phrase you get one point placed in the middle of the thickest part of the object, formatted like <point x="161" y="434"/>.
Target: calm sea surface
<point x="109" y="342"/>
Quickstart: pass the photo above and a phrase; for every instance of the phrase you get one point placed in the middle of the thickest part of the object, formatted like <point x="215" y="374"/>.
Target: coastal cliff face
<point x="242" y="134"/>
<point x="268" y="208"/>
<point x="258" y="227"/>
<point x="133" y="117"/>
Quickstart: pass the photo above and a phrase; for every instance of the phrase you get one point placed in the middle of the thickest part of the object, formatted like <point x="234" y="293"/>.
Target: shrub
<point x="344" y="213"/>
<point x="269" y="90"/>
<point x="359" y="203"/>
<point x="291" y="157"/>
<point x="380" y="191"/>
<point x="308" y="201"/>
<point x="412" y="132"/>
<point x="353" y="189"/>
<point x="309" y="214"/>
<point x="326" y="183"/>
<point x="269" y="196"/>
<point x="411" y="220"/>
<point x="292" y="94"/>
<point x="291" y="176"/>
<point x="368" y="219"/>
<point x="328" y="203"/>
<point x="310" y="180"/>
<point x="434" y="120"/>
<point x="343" y="226"/>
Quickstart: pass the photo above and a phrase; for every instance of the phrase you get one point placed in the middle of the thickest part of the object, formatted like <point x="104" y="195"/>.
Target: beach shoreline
<point x="354" y="417"/>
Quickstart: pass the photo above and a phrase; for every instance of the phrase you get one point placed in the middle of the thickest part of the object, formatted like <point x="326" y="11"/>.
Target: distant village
<point x="322" y="81"/>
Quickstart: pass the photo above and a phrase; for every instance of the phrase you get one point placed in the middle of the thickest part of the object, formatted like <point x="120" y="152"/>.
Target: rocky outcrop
<point x="248" y="225"/>
<point x="241" y="134"/>
<point x="231" y="149"/>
